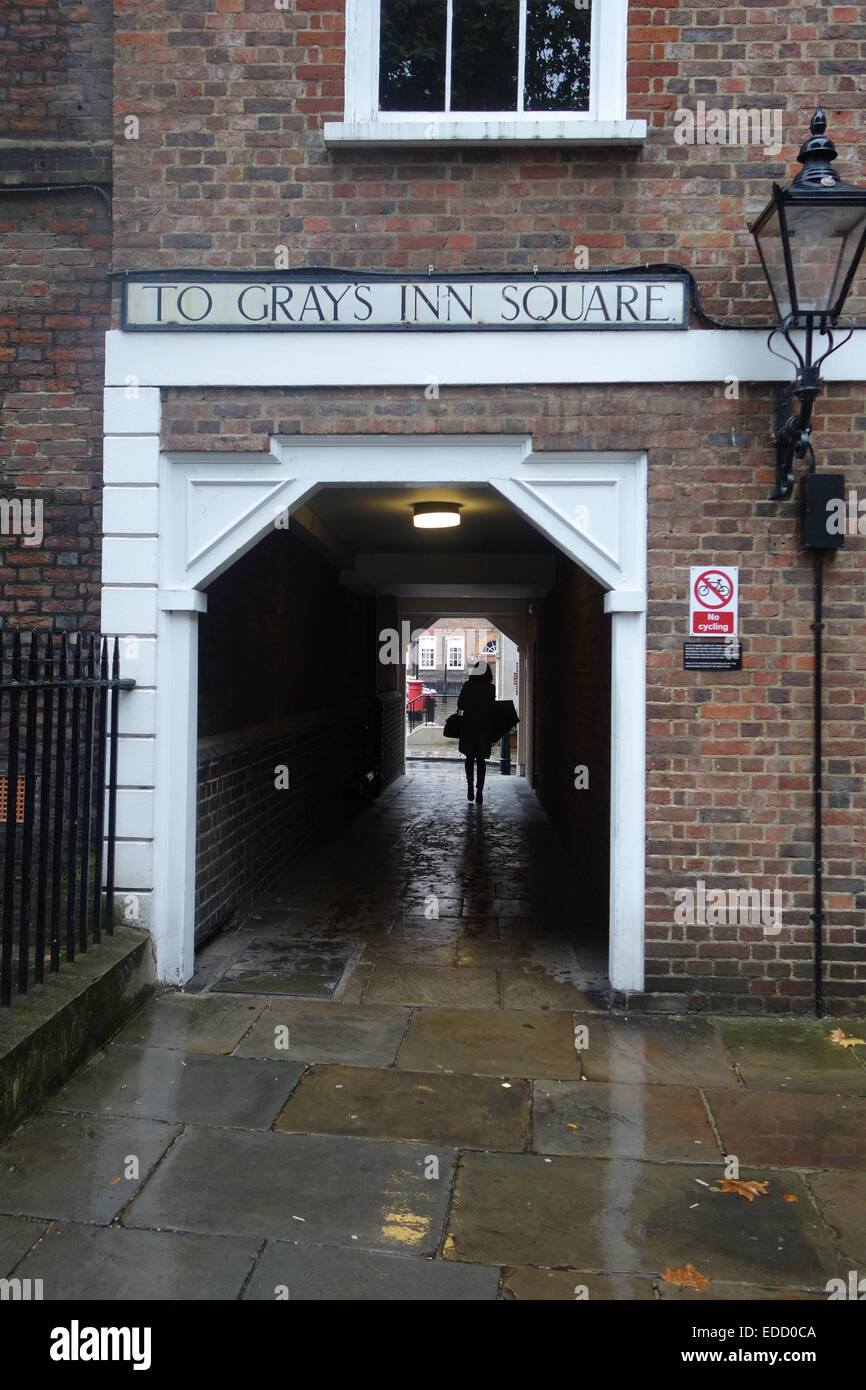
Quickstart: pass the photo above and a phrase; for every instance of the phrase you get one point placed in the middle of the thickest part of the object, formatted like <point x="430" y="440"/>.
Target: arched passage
<point x="216" y="507"/>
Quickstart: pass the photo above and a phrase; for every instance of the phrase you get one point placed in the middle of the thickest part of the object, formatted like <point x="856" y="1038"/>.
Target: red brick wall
<point x="230" y="163"/>
<point x="55" y="114"/>
<point x="728" y="753"/>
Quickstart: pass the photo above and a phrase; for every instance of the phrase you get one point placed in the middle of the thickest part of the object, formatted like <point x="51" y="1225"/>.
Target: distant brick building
<point x="284" y="175"/>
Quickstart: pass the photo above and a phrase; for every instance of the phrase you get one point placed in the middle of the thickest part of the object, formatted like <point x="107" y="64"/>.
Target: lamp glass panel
<point x="824" y="239"/>
<point x="770" y="244"/>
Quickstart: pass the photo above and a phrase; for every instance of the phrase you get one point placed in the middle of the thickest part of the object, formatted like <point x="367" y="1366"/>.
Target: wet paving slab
<point x="662" y="1123"/>
<point x="362" y="1036"/>
<point x="794" y="1056"/>
<point x="653" y="1051"/>
<point x="324" y="1190"/>
<point x="632" y="1217"/>
<point x="74" y="1168"/>
<point x="793" y="1131"/>
<point x="16" y="1238"/>
<point x="426" y="1128"/>
<point x="460" y="1111"/>
<point x="115" y="1264"/>
<point x="841" y="1199"/>
<point x="159" y="1084"/>
<point x="309" y="1272"/>
<point x="490" y="1043"/>
<point x="200" y="1024"/>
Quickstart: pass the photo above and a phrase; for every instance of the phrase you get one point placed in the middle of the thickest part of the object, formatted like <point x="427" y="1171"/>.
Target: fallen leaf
<point x="687" y="1277"/>
<point x="841" y="1040"/>
<point x="750" y="1190"/>
<point x="448" y="1247"/>
<point x="529" y="1025"/>
<point x="114" y="1182"/>
<point x="789" y="1197"/>
<point x="571" y="1126"/>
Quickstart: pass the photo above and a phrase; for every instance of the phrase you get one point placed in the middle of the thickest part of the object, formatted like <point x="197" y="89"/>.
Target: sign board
<point x="713" y="655"/>
<point x="713" y="601"/>
<point x="332" y="301"/>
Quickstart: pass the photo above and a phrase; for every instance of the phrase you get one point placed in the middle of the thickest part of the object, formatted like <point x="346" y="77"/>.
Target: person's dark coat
<point x="476" y="700"/>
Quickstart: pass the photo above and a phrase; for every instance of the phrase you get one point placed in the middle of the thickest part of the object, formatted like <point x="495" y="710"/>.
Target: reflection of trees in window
<point x="485" y="44"/>
<point x="557" y="56"/>
<point x="412" y="55"/>
<point x="485" y="55"/>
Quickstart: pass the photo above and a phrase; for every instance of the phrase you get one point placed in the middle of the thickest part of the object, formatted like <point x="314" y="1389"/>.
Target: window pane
<point x="484" y="48"/>
<point x="412" y="55"/>
<point x="557" y="56"/>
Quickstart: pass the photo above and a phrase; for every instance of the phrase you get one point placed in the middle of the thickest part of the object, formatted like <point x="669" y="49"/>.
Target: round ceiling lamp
<point x="433" y="516"/>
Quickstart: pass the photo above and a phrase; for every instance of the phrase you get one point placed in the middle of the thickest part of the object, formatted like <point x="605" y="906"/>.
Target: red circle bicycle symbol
<point x="714" y="589"/>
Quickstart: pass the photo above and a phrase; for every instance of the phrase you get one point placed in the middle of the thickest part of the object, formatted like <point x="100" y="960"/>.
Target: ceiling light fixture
<point x="432" y="516"/>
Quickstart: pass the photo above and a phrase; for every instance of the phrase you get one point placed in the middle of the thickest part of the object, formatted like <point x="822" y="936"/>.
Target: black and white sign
<point x="189" y="300"/>
<point x="713" y="655"/>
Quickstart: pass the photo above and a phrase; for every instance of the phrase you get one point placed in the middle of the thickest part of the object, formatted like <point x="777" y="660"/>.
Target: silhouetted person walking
<point x="476" y="702"/>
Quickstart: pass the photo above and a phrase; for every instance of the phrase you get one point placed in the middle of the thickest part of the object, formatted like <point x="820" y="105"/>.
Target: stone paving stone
<point x="792" y="1131"/>
<point x="560" y="1285"/>
<point x="436" y="986"/>
<point x="113" y="1263"/>
<point x="312" y="1272"/>
<point x="157" y="1084"/>
<point x="225" y="1182"/>
<point x="445" y="932"/>
<point x="778" y="1055"/>
<point x="69" y="1168"/>
<point x="399" y="951"/>
<point x="274" y="967"/>
<point x="536" y="989"/>
<point x="681" y="1052"/>
<point x="662" y="1123"/>
<point x="16" y="1238"/>
<point x="619" y="1215"/>
<point x="357" y="983"/>
<point x="411" y="909"/>
<point x="359" y="1035"/>
<point x="720" y="1291"/>
<point x="490" y="1043"/>
<point x="841" y="1199"/>
<point x="459" y="1111"/>
<point x="205" y="1024"/>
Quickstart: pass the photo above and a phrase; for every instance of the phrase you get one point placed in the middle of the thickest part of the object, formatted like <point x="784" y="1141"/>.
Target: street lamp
<point x="810" y="238"/>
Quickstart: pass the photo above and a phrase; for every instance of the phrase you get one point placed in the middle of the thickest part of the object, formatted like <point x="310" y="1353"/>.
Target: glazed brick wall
<point x="729" y="753"/>
<point x="230" y="160"/>
<point x="54" y="255"/>
<point x="572" y="726"/>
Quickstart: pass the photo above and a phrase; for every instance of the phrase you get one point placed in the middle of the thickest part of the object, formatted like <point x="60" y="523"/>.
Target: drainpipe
<point x="43" y="188"/>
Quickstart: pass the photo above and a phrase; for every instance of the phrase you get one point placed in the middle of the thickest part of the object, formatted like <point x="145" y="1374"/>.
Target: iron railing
<point x="58" y="770"/>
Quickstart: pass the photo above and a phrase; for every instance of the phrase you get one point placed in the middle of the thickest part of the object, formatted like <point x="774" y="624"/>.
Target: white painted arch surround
<point x="174" y="521"/>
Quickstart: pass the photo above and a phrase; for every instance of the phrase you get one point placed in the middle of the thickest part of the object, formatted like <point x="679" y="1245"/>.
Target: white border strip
<point x="502" y="358"/>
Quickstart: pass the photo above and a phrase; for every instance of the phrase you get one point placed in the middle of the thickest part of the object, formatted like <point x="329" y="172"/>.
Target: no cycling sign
<point x="713" y="598"/>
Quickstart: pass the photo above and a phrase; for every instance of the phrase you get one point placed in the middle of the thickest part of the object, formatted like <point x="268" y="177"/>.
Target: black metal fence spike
<point x="59" y="713"/>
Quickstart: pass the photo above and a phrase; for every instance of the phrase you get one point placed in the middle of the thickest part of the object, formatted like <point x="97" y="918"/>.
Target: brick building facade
<point x="237" y="147"/>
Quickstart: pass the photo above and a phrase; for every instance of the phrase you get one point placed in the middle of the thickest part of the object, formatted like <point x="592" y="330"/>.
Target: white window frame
<point x="427" y="645"/>
<point x="456" y="642"/>
<point x="604" y="123"/>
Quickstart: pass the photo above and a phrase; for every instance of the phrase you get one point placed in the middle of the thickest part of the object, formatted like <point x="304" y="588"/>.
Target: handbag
<point x="451" y="728"/>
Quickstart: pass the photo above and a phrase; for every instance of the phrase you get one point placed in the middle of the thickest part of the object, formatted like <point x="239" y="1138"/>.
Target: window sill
<point x="439" y="131"/>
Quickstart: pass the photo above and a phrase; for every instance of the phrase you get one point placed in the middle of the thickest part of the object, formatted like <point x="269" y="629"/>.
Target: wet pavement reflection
<point x="371" y="1089"/>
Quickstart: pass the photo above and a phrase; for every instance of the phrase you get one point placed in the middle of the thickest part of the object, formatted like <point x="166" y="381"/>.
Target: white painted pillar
<point x="173" y="917"/>
<point x="627" y="787"/>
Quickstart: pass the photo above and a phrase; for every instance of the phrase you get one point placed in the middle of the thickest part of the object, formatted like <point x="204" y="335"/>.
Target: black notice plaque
<point x="713" y="655"/>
